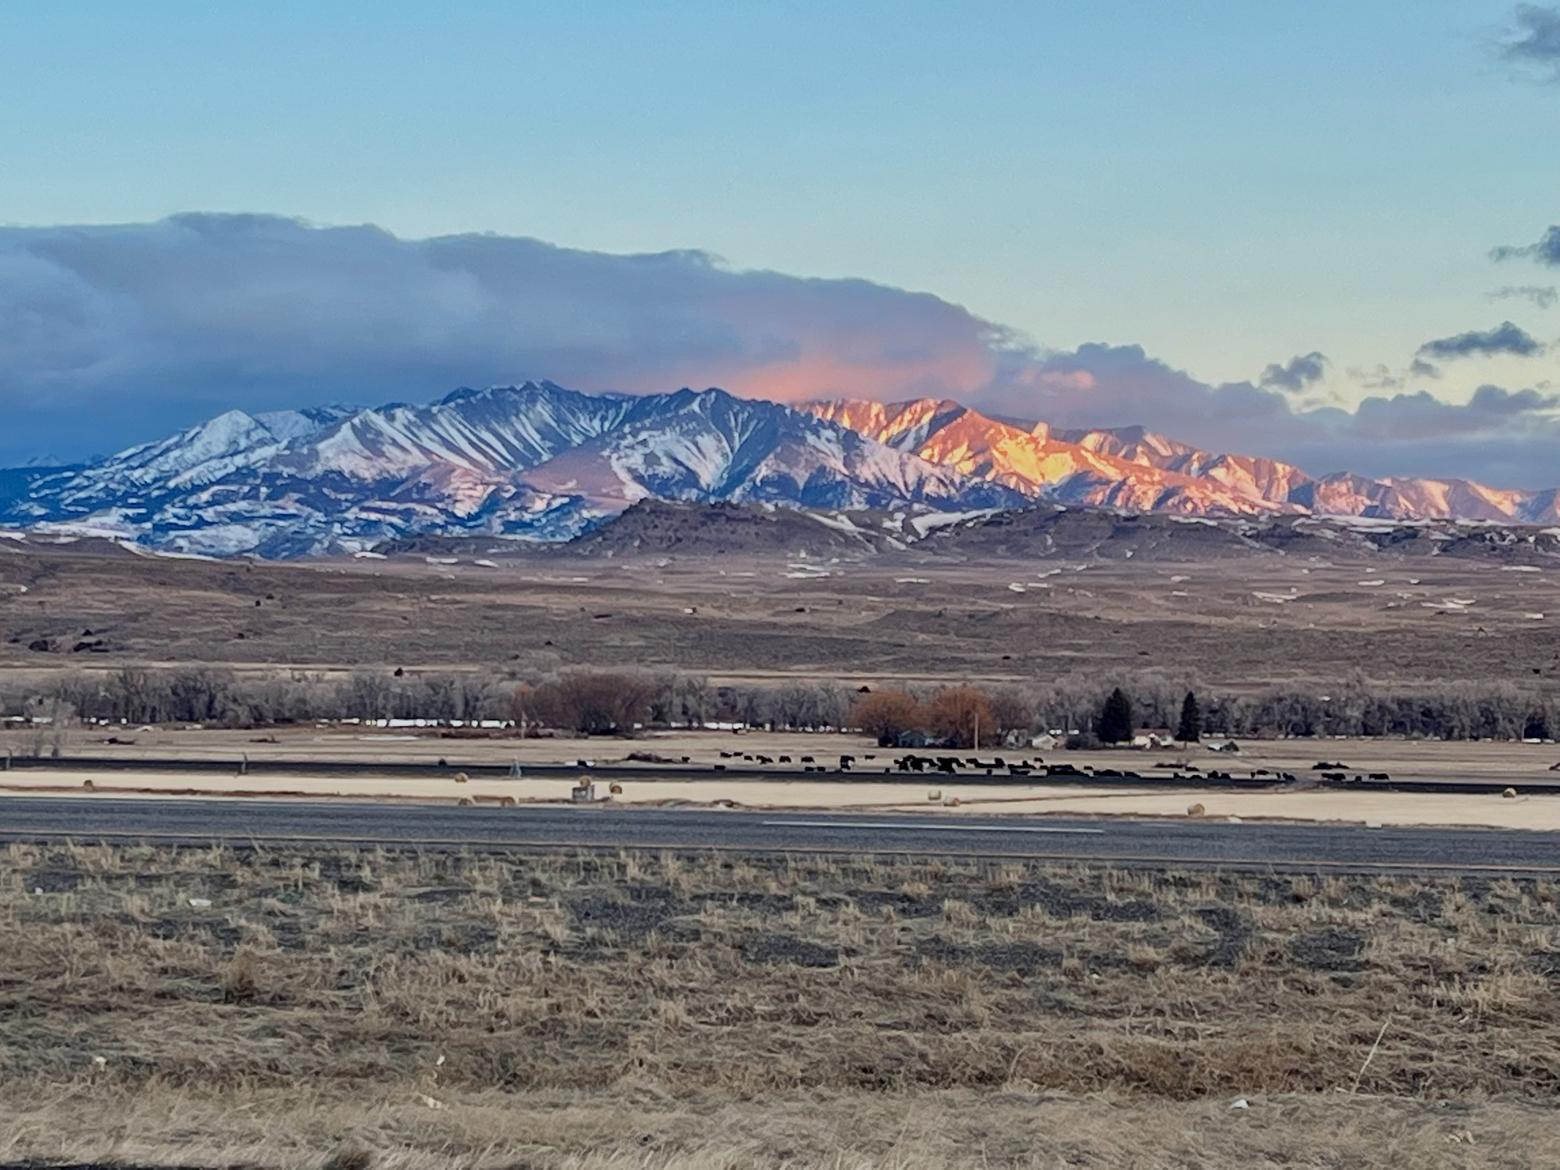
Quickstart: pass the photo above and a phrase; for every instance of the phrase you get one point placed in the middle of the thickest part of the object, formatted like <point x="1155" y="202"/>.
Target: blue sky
<point x="1225" y="185"/>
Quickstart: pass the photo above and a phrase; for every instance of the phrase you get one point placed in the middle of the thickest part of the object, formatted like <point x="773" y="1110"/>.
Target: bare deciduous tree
<point x="596" y="702"/>
<point x="961" y="716"/>
<point x="887" y="715"/>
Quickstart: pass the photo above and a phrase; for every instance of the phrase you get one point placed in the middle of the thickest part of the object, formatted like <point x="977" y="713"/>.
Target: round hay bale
<point x="461" y="778"/>
<point x="616" y="790"/>
<point x="1195" y="810"/>
<point x="464" y="801"/>
<point x="506" y="801"/>
<point x="1509" y="794"/>
<point x="88" y="785"/>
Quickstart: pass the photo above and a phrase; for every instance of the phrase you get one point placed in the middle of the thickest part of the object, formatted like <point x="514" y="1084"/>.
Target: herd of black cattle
<point x="1033" y="767"/>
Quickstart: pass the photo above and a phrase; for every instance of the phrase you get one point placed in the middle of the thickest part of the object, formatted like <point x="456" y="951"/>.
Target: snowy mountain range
<point x="535" y="461"/>
<point x="1135" y="469"/>
<point x="541" y="462"/>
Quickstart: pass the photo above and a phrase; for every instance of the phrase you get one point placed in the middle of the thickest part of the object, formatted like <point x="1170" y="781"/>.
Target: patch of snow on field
<point x="837" y="522"/>
<point x="442" y="560"/>
<point x="1368" y="524"/>
<point x="365" y="555"/>
<point x="1371" y="584"/>
<point x="486" y="564"/>
<point x="1015" y="587"/>
<point x="1535" y="617"/>
<point x="1275" y="598"/>
<point x="931" y="521"/>
<point x="1520" y="569"/>
<point x="912" y="580"/>
<point x="166" y="554"/>
<point x="1178" y="578"/>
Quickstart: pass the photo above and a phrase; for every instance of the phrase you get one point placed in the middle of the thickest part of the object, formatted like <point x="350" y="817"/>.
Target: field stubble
<point x="648" y="1010"/>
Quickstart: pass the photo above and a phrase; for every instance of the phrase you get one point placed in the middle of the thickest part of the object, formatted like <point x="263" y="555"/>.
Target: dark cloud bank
<point x="1296" y="374"/>
<point x="1546" y="250"/>
<point x="111" y="335"/>
<point x="1535" y="41"/>
<point x="1505" y="338"/>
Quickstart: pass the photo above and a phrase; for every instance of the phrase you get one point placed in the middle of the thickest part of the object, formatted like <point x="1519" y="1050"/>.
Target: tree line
<point x="1084" y="707"/>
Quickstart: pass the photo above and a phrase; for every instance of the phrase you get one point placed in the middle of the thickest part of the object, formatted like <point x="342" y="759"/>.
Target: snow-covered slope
<point x="1039" y="462"/>
<point x="713" y="446"/>
<point x="1265" y="479"/>
<point x="541" y="462"/>
<point x="535" y="461"/>
<point x="1134" y="468"/>
<point x="204" y="453"/>
<point x="490" y="432"/>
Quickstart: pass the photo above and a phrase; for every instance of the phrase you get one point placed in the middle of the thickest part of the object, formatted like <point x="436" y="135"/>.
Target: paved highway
<point x="1240" y="778"/>
<point x="1135" y="842"/>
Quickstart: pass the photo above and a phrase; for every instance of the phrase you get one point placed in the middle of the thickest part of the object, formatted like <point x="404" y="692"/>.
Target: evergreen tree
<point x="1115" y="721"/>
<point x="1190" y="730"/>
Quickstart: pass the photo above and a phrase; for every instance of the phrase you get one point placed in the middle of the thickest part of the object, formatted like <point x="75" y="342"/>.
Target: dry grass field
<point x="282" y="1008"/>
<point x="1237" y="624"/>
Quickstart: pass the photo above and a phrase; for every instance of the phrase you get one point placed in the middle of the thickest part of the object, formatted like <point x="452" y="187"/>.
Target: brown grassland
<point x="290" y="1007"/>
<point x="1241" y="624"/>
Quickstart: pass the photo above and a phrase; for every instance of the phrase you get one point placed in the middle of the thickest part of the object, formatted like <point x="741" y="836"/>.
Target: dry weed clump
<point x="655" y="983"/>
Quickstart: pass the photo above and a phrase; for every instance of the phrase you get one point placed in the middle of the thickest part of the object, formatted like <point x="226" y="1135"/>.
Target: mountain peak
<point x="468" y="393"/>
<point x="534" y="461"/>
<point x="539" y="461"/>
